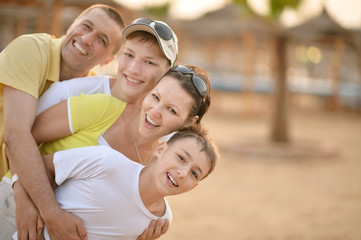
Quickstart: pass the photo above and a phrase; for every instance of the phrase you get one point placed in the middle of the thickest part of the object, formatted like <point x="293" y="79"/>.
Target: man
<point x="29" y="65"/>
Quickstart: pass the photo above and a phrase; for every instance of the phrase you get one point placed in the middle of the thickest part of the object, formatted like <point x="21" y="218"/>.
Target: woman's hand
<point x="155" y="229"/>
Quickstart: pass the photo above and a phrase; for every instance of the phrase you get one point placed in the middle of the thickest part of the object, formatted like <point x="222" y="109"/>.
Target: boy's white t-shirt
<point x="60" y="91"/>
<point x="101" y="186"/>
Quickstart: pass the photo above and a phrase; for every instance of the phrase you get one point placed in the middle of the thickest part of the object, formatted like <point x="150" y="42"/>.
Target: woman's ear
<point x="192" y="121"/>
<point x="158" y="151"/>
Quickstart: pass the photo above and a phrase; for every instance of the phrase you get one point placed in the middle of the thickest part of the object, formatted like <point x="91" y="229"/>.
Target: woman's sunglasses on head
<point x="197" y="81"/>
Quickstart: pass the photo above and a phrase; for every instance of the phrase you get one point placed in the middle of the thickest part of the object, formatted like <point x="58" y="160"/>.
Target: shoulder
<point x="104" y="100"/>
<point x="168" y="212"/>
<point x="117" y="162"/>
<point x="39" y="39"/>
<point x="30" y="48"/>
<point x="95" y="152"/>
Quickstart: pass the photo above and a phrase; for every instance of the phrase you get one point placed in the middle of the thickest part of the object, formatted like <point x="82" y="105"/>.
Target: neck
<point x="142" y="145"/>
<point x="67" y="73"/>
<point x="117" y="92"/>
<point x="152" y="199"/>
<point x="136" y="148"/>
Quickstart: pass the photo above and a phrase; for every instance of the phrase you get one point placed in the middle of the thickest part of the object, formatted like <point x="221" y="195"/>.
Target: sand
<point x="258" y="193"/>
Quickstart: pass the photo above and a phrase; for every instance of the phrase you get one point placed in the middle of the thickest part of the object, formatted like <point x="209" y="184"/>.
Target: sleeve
<point x="79" y="163"/>
<point x="55" y="94"/>
<point x="93" y="111"/>
<point x="60" y="91"/>
<point x="21" y="65"/>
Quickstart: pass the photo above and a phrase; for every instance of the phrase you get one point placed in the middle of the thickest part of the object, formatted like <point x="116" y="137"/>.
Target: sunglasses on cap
<point x="161" y="28"/>
<point x="197" y="81"/>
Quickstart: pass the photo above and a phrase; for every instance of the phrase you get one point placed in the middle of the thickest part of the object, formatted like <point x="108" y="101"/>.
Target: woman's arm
<point x="49" y="165"/>
<point x="52" y="124"/>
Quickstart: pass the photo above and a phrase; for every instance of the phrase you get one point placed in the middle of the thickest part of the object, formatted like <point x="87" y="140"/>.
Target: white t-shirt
<point x="60" y="91"/>
<point x="101" y="186"/>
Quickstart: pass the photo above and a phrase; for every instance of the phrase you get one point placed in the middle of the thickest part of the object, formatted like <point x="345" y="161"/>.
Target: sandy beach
<point x="259" y="195"/>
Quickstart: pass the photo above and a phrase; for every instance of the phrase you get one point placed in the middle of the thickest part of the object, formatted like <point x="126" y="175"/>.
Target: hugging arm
<point x="52" y="124"/>
<point x="25" y="160"/>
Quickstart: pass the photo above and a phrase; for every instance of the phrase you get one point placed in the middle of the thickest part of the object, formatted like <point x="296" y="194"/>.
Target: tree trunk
<point x="279" y="128"/>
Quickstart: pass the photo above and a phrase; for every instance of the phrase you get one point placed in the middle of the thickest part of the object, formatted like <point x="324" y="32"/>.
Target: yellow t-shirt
<point x="89" y="117"/>
<point x="30" y="63"/>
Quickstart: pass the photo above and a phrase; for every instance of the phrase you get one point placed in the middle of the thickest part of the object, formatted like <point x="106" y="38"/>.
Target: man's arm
<point x="23" y="152"/>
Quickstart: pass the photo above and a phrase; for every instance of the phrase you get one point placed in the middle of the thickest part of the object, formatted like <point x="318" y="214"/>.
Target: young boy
<point x="118" y="198"/>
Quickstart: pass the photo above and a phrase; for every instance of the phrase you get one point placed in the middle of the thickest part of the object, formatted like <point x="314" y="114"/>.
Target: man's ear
<point x="108" y="61"/>
<point x="158" y="151"/>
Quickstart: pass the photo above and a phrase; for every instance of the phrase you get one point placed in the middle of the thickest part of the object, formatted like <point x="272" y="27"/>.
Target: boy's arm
<point x="155" y="230"/>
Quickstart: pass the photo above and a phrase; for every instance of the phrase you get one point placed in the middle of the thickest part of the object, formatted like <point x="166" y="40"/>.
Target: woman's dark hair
<point x="201" y="104"/>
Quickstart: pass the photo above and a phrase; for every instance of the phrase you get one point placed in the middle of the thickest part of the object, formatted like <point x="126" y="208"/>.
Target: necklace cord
<point x="135" y="145"/>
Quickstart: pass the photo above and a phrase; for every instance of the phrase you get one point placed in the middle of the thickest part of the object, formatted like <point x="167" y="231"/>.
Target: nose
<point x="134" y="67"/>
<point x="88" y="38"/>
<point x="156" y="110"/>
<point x="181" y="172"/>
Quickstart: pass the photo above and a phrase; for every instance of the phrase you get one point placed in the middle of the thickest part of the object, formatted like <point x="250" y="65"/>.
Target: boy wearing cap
<point x="29" y="64"/>
<point x="116" y="197"/>
<point x="149" y="51"/>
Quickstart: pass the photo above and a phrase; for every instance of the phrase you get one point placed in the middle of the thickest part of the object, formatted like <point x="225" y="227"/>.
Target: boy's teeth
<point x="133" y="81"/>
<point x="172" y="180"/>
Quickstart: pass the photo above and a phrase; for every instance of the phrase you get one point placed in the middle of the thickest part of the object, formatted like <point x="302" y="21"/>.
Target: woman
<point x="174" y="102"/>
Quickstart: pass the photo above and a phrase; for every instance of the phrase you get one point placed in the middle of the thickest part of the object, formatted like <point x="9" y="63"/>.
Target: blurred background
<point x="286" y="109"/>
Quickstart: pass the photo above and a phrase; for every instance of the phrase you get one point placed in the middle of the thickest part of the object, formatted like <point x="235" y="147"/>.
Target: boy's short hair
<point x="200" y="134"/>
<point x="143" y="37"/>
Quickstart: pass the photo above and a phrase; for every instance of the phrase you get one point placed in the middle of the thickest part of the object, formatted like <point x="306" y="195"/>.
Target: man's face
<point x="90" y="41"/>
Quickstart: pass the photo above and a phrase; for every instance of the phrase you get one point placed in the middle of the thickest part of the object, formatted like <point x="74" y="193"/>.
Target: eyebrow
<point x="147" y="57"/>
<point x="191" y="158"/>
<point x="89" y="22"/>
<point x="129" y="49"/>
<point x="172" y="105"/>
<point x="102" y="33"/>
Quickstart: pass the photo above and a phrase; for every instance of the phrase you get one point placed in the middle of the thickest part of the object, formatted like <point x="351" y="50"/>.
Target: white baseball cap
<point x="167" y="39"/>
